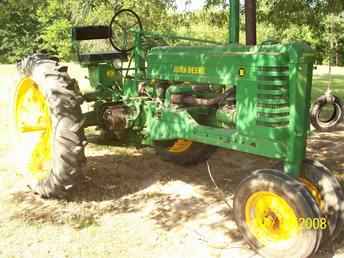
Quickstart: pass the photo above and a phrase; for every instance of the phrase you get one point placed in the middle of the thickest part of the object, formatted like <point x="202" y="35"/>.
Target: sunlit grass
<point x="320" y="84"/>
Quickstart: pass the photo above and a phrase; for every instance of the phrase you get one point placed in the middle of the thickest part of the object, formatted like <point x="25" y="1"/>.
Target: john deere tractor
<point x="185" y="100"/>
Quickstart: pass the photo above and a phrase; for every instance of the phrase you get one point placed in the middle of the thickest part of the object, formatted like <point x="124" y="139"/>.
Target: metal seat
<point x="91" y="33"/>
<point x="102" y="56"/>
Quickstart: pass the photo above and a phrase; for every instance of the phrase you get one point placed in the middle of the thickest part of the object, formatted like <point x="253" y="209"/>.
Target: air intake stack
<point x="234" y="21"/>
<point x="250" y="22"/>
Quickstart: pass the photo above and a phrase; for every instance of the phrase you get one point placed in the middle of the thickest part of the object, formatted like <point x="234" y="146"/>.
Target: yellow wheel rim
<point x="33" y="129"/>
<point x="270" y="218"/>
<point x="180" y="146"/>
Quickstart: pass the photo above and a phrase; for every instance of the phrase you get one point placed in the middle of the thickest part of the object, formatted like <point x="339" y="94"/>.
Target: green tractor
<point x="185" y="101"/>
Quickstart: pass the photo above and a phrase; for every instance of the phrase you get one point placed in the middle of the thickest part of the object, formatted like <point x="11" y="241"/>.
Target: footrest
<point x="102" y="56"/>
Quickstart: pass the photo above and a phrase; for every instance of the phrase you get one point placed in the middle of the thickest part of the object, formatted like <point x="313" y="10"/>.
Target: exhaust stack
<point x="250" y="22"/>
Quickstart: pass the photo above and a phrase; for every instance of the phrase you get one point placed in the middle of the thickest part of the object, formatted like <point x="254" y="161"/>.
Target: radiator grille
<point x="272" y="96"/>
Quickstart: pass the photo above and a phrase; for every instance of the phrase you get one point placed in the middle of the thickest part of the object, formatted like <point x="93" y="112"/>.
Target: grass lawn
<point x="321" y="79"/>
<point x="320" y="84"/>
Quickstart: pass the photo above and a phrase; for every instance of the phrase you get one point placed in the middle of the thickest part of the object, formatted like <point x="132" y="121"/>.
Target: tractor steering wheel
<point x="121" y="27"/>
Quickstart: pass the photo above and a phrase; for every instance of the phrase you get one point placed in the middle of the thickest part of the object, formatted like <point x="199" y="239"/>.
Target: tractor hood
<point x="221" y="64"/>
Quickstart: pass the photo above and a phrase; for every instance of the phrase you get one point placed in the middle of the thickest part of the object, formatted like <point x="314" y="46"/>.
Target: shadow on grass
<point x="168" y="194"/>
<point x="328" y="148"/>
<point x="136" y="180"/>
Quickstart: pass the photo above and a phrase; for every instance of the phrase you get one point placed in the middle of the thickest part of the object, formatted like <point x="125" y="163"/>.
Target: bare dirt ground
<point x="132" y="204"/>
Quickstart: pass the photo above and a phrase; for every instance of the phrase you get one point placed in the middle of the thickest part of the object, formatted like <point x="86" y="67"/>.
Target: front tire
<point x="183" y="152"/>
<point x="268" y="209"/>
<point x="47" y="126"/>
<point x="328" y="194"/>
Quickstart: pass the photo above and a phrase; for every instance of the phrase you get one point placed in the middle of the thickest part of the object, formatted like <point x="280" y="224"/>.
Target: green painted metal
<point x="139" y="57"/>
<point x="103" y="75"/>
<point x="104" y="78"/>
<point x="185" y="127"/>
<point x="272" y="85"/>
<point x="130" y="89"/>
<point x="234" y="23"/>
<point x="213" y="65"/>
<point x="228" y="118"/>
<point x="172" y="36"/>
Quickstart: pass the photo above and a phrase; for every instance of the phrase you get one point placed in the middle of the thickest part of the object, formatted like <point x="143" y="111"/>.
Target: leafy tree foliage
<point x="19" y="31"/>
<point x="317" y="22"/>
<point x="30" y="25"/>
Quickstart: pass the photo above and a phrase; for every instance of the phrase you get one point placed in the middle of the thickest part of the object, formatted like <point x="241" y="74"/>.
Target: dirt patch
<point x="144" y="207"/>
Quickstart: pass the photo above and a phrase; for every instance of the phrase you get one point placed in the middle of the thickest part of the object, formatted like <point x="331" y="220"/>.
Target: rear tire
<point x="48" y="127"/>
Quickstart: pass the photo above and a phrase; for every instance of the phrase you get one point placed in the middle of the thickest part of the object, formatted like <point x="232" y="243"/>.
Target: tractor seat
<point x="102" y="56"/>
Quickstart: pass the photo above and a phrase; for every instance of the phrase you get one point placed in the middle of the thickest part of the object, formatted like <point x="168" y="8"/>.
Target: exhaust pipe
<point x="250" y="22"/>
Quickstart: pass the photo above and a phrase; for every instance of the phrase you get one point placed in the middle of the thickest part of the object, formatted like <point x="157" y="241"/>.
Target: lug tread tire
<point x="64" y="99"/>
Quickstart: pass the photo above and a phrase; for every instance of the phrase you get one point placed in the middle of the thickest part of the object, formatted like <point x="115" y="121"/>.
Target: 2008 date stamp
<point x="313" y="223"/>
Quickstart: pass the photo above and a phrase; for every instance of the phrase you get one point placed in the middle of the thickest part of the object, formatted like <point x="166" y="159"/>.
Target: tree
<point x="30" y="25"/>
<point x="308" y="20"/>
<point x="19" y="28"/>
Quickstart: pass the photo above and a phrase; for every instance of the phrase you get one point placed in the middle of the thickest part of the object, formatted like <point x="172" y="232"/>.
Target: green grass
<point x="321" y="80"/>
<point x="320" y="84"/>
